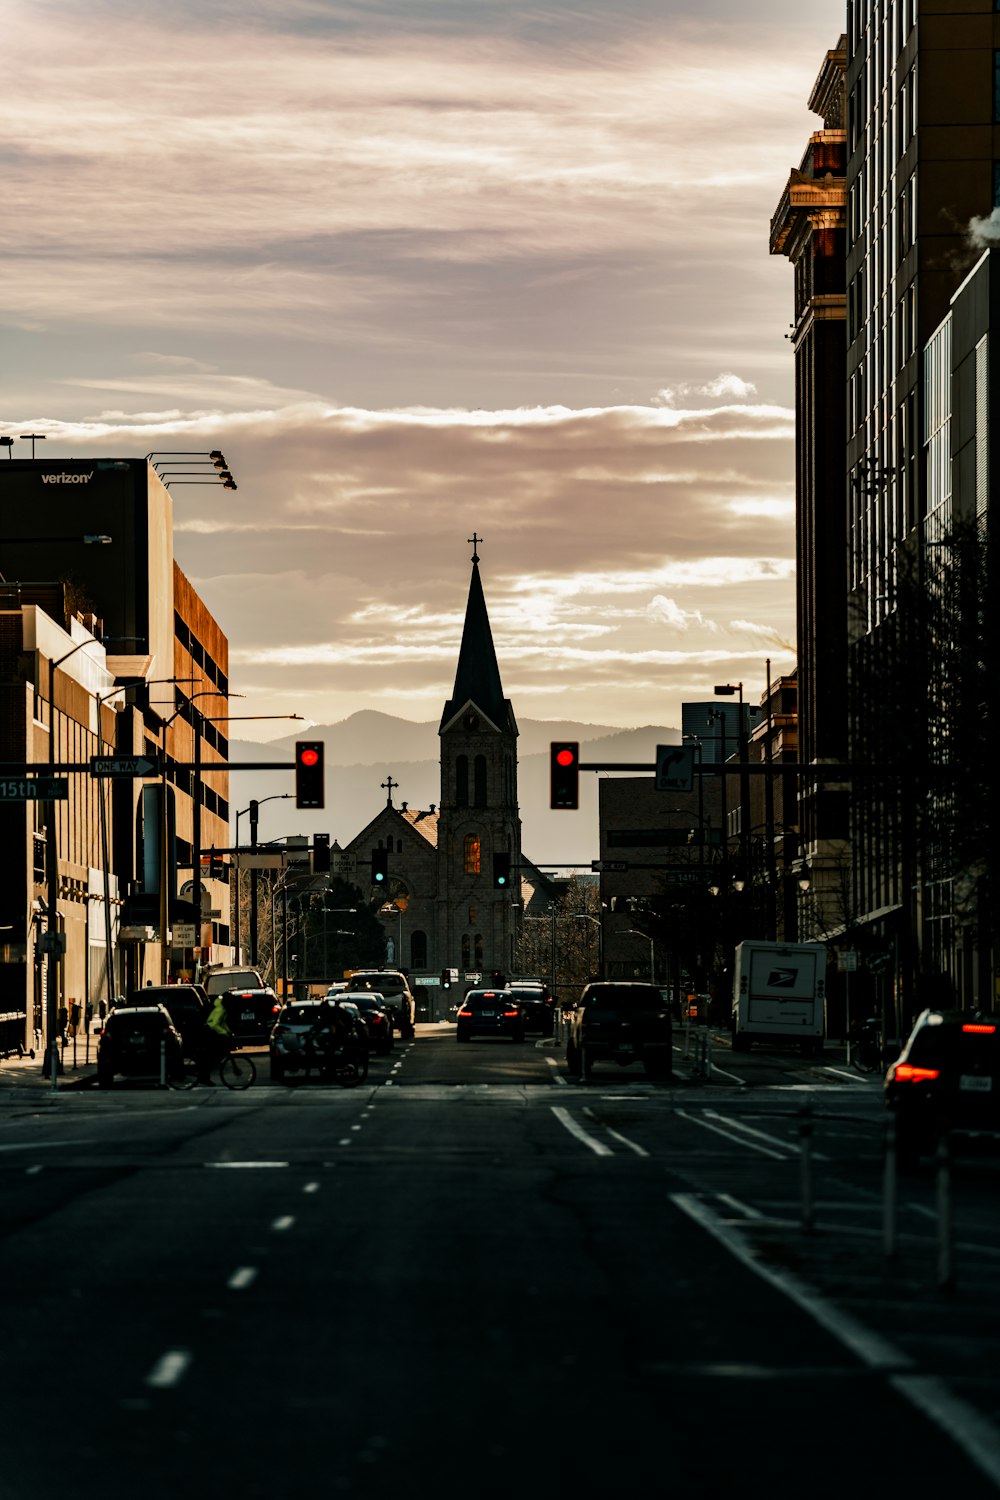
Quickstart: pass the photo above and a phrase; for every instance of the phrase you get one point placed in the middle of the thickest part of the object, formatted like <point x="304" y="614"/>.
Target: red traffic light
<point x="309" y="758"/>
<point x="309" y="773"/>
<point x="564" y="774"/>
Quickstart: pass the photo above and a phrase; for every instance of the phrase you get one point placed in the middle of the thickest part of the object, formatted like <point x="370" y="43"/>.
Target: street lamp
<point x="583" y="916"/>
<point x="634" y="932"/>
<point x="255" y="803"/>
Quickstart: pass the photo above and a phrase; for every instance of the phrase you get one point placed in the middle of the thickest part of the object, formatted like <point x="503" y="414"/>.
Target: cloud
<point x="727" y="386"/>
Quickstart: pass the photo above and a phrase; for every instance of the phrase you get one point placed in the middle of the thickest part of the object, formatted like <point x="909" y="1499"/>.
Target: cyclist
<point x="216" y="1040"/>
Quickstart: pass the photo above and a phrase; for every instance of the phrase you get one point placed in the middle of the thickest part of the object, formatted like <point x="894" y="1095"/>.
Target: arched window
<point x="473" y="854"/>
<point x="479" y="950"/>
<point x="479" y="778"/>
<point x="418" y="950"/>
<point x="466" y="952"/>
<point x="462" y="781"/>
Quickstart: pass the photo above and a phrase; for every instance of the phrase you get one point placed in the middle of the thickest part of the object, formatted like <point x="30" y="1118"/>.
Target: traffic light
<point x="446" y="979"/>
<point x="564" y="774"/>
<point x="309" y="773"/>
<point x="321" y="853"/>
<point x="217" y="867"/>
<point x="501" y="871"/>
<point x="380" y="867"/>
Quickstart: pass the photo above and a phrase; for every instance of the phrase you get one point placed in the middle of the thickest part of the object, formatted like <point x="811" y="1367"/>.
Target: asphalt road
<point x="474" y="1275"/>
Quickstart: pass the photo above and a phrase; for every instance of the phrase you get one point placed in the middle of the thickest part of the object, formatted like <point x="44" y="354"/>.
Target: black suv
<point x="187" y="1006"/>
<point x="535" y="1004"/>
<point x="623" y="1022"/>
<point x="946" y="1081"/>
<point x="131" y="1041"/>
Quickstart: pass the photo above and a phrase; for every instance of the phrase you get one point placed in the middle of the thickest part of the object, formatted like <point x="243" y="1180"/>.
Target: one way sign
<point x="674" y="768"/>
<point x="125" y="765"/>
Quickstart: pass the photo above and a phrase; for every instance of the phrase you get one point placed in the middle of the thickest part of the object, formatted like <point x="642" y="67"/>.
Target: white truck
<point x="779" y="995"/>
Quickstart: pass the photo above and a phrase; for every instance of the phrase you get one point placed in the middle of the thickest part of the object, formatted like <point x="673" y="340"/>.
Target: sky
<point x="423" y="269"/>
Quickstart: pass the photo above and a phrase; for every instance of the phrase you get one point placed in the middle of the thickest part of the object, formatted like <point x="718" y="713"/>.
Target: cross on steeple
<point x="474" y="541"/>
<point x="387" y="787"/>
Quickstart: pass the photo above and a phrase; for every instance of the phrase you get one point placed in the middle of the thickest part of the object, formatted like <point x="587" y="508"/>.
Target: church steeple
<point x="477" y="678"/>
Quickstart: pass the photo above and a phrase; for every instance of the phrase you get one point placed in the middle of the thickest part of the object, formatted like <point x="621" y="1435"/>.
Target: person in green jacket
<point x="216" y="1040"/>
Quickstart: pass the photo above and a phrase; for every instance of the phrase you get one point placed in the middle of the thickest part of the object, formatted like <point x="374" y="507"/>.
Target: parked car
<point x="251" y="1015"/>
<point x="394" y="987"/>
<point x="535" y="1003"/>
<point x="490" y="1013"/>
<point x="130" y="1044"/>
<point x="623" y="1022"/>
<point x="293" y="1044"/>
<point x="375" y="1013"/>
<point x="946" y="1081"/>
<point x="186" y="1004"/>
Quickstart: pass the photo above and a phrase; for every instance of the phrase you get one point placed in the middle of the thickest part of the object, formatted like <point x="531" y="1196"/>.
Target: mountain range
<point x="365" y="748"/>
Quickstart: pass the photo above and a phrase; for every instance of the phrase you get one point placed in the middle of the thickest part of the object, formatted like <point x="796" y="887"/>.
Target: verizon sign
<point x="67" y="478"/>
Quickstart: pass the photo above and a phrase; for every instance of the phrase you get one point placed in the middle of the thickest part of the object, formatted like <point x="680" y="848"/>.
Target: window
<point x="462" y="781"/>
<point x="473" y="915"/>
<point x="466" y="951"/>
<point x="473" y="854"/>
<point x="418" y="950"/>
<point x="479" y="950"/>
<point x="480" y="780"/>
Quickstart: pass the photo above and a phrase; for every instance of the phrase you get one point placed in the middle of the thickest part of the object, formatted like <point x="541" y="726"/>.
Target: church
<point x="443" y="905"/>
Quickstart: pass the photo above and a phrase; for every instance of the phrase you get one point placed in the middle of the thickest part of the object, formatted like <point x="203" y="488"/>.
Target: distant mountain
<point x="362" y="750"/>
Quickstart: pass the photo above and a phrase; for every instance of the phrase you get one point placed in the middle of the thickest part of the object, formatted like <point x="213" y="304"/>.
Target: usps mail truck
<point x="779" y="995"/>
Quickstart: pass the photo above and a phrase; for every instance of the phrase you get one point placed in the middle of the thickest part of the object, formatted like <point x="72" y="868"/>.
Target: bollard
<point x="946" y="1259"/>
<point x="805" y="1167"/>
<point x="163" y="1062"/>
<point x="889" y="1192"/>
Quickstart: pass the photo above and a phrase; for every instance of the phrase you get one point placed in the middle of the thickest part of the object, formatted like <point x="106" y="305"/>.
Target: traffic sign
<point x="41" y="789"/>
<point x="674" y="768"/>
<point x="609" y="866"/>
<point x="126" y="765"/>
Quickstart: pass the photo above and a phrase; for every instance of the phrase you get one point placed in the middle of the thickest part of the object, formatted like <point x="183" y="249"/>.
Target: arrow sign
<point x="674" y="768"/>
<point x="125" y="765"/>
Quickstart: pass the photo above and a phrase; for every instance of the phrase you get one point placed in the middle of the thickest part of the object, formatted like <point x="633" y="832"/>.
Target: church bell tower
<point x="479" y="921"/>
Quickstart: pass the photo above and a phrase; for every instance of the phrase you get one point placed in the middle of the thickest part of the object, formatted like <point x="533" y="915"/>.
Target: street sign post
<point x="609" y="866"/>
<point x="126" y="765"/>
<point x="39" y="789"/>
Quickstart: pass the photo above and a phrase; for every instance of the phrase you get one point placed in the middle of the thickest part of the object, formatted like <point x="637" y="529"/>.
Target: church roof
<point x="477" y="679"/>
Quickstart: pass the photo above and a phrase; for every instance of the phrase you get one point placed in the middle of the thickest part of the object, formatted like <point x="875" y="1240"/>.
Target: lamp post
<point x="727" y="690"/>
<point x="255" y="804"/>
<point x="583" y="916"/>
<point x="634" y="932"/>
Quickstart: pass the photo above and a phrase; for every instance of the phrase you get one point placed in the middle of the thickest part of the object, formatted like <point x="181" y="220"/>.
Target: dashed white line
<point x="242" y="1277"/>
<point x="632" y="1146"/>
<point x="169" y="1369"/>
<point x="311" y="1187"/>
<point x="285" y="1221"/>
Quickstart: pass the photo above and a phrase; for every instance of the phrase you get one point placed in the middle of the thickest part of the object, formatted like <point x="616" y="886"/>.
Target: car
<point x="375" y="1013"/>
<point x="290" y="1042"/>
<point x="946" y="1081"/>
<point x="186" y="1004"/>
<point x="138" y="1041"/>
<point x="231" y="977"/>
<point x="489" y="1013"/>
<point x="536" y="1005"/>
<point x="251" y="1015"/>
<point x="620" y="1021"/>
<point x="394" y="987"/>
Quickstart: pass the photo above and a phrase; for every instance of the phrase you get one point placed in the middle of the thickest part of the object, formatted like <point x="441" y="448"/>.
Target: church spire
<point x="477" y="678"/>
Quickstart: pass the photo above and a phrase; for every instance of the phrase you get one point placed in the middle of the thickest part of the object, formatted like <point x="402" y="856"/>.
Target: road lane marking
<point x="740" y="1206"/>
<point x="355" y="1127"/>
<point x="233" y="1164"/>
<point x="775" y="1140"/>
<point x="42" y="1145"/>
<point x="978" y="1439"/>
<point x="876" y="1352"/>
<point x="169" y="1369"/>
<point x="242" y="1277"/>
<point x="285" y="1221"/>
<point x="632" y="1146"/>
<point x="839" y="1073"/>
<point x="730" y="1135"/>
<point x="575" y="1128"/>
<point x="311" y="1187"/>
<point x="30" y="1171"/>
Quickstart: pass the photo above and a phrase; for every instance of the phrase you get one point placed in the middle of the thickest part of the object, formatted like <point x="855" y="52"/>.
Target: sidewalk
<point x="18" y="1074"/>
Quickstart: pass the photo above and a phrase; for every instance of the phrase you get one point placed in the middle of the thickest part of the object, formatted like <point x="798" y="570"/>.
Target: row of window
<point x="479" y="787"/>
<point x="199" y="654"/>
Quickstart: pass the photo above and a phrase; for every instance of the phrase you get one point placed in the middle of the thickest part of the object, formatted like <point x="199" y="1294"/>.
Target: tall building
<point x="922" y="113"/>
<point x="809" y="227"/>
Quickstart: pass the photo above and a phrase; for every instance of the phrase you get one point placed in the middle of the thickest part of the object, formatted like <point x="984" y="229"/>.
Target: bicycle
<point x="236" y="1070"/>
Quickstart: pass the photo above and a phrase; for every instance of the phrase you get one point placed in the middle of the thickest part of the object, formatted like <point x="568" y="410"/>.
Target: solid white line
<point x="169" y="1368"/>
<point x="284" y="1222"/>
<point x="763" y="1134"/>
<point x="231" y="1164"/>
<point x="41" y="1145"/>
<point x="968" y="1428"/>
<point x="639" y="1150"/>
<point x="241" y="1278"/>
<point x="839" y="1073"/>
<point x="740" y="1140"/>
<point x="871" y="1348"/>
<point x="575" y="1128"/>
<point x="726" y="1074"/>
<point x="740" y="1207"/>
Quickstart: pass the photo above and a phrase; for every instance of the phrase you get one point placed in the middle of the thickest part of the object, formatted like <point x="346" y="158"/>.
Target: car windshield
<point x="624" y="997"/>
<point x="236" y="979"/>
<point x="300" y="1015"/>
<point x="954" y="1048"/>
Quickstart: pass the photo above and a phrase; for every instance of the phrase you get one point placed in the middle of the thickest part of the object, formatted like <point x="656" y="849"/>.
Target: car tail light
<point x="275" y="1009"/>
<point x="465" y="1012"/>
<point x="907" y="1073"/>
<point x="979" y="1026"/>
<point x="512" y="1013"/>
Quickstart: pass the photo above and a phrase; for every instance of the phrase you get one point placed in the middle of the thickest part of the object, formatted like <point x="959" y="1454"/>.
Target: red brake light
<point x="512" y="1013"/>
<point x="979" y="1026"/>
<point x="465" y="1012"/>
<point x="907" y="1073"/>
